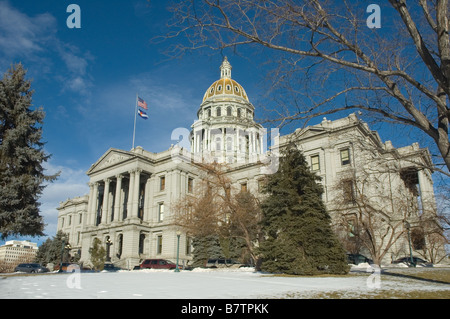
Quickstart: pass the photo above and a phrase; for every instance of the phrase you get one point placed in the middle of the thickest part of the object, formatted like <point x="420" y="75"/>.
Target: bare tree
<point x="326" y="59"/>
<point x="383" y="200"/>
<point x="217" y="208"/>
<point x="375" y="221"/>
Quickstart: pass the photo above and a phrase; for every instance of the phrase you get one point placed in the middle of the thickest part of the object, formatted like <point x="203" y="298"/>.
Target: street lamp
<point x="178" y="250"/>
<point x="63" y="247"/>
<point x="408" y="227"/>
<point x="108" y="247"/>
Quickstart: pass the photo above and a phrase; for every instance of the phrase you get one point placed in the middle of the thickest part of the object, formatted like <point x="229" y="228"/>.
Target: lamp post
<point x="178" y="250"/>
<point x="62" y="254"/>
<point x="408" y="227"/>
<point x="108" y="247"/>
<point x="63" y="248"/>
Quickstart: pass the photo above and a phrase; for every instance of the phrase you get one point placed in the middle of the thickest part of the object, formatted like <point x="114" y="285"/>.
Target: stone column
<point x="90" y="201"/>
<point x="93" y="213"/>
<point x="105" y="208"/>
<point x="118" y="199"/>
<point x="130" y="194"/>
<point x="152" y="184"/>
<point x="426" y="192"/>
<point x="135" y="197"/>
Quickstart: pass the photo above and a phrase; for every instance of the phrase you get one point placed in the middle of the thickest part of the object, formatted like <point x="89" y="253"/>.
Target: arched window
<point x="219" y="111"/>
<point x="238" y="113"/>
<point x="229" y="111"/>
<point x="229" y="144"/>
<point x="209" y="113"/>
<point x="218" y="143"/>
<point x="119" y="245"/>
<point x="141" y="243"/>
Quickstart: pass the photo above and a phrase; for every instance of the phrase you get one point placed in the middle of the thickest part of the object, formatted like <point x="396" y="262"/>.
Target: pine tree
<point x="98" y="254"/>
<point x="21" y="157"/>
<point x="50" y="250"/>
<point x="299" y="237"/>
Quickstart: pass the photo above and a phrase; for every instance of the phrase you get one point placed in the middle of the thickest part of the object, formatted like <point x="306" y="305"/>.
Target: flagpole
<point x="135" y="115"/>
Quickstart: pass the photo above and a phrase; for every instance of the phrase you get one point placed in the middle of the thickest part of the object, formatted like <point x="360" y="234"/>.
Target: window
<point x="261" y="184"/>
<point x="239" y="113"/>
<point x="162" y="183"/>
<point x="219" y="111"/>
<point x="345" y="157"/>
<point x="243" y="187"/>
<point x="141" y="243"/>
<point x="349" y="191"/>
<point x="188" y="246"/>
<point x="218" y="142"/>
<point x="209" y="113"/>
<point x="159" y="244"/>
<point x="229" y="144"/>
<point x="229" y="111"/>
<point x="160" y="212"/>
<point x="315" y="163"/>
<point x="190" y="185"/>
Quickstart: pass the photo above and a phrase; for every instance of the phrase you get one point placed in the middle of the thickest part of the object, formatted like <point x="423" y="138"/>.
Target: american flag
<point x="142" y="103"/>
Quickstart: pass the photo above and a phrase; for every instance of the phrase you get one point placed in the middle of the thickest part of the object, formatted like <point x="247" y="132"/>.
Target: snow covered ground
<point x="199" y="284"/>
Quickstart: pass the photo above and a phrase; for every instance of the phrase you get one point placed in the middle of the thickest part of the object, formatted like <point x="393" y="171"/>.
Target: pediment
<point x="111" y="158"/>
<point x="307" y="132"/>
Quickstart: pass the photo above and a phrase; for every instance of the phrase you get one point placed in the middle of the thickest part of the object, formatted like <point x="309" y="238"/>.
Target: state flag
<point x="143" y="114"/>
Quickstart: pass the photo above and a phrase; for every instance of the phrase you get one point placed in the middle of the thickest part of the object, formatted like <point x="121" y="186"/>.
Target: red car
<point x="157" y="264"/>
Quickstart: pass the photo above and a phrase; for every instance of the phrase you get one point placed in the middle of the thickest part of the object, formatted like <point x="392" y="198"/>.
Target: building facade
<point x="14" y="252"/>
<point x="129" y="206"/>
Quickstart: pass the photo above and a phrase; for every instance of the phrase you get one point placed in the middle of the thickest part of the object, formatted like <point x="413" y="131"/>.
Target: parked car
<point x="66" y="266"/>
<point x="30" y="268"/>
<point x="357" y="259"/>
<point x="222" y="263"/>
<point x="111" y="267"/>
<point x="416" y="261"/>
<point x="158" y="264"/>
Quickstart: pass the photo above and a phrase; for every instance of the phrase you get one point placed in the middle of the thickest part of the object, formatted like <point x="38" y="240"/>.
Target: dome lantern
<point x="225" y="69"/>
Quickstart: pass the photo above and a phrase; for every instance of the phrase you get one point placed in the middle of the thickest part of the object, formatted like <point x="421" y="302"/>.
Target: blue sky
<point x="87" y="79"/>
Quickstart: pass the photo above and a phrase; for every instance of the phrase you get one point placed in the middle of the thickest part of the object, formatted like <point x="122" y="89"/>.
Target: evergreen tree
<point x="205" y="247"/>
<point x="98" y="254"/>
<point x="299" y="237"/>
<point x="21" y="157"/>
<point x="50" y="250"/>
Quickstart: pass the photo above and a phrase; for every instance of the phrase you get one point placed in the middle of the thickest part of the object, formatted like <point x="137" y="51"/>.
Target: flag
<point x="143" y="114"/>
<point x="142" y="103"/>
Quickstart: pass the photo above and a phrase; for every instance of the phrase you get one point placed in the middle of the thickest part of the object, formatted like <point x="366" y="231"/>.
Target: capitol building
<point x="129" y="205"/>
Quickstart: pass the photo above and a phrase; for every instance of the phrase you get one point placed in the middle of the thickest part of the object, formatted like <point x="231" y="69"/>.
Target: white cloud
<point x="71" y="183"/>
<point x="21" y="35"/>
<point x="34" y="41"/>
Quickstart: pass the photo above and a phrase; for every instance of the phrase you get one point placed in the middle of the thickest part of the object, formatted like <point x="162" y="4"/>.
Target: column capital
<point x="135" y="170"/>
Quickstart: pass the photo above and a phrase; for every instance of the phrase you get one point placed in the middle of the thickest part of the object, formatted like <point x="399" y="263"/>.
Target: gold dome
<point x="225" y="86"/>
